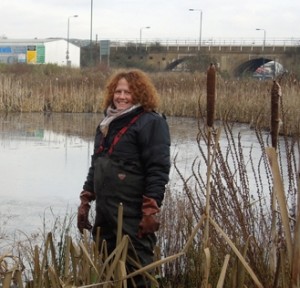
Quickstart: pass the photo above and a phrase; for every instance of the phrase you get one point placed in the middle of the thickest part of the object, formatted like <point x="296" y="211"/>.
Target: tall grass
<point x="48" y="88"/>
<point x="252" y="233"/>
<point x="236" y="225"/>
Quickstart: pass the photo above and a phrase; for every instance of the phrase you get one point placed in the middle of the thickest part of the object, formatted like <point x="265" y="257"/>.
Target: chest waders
<point x="115" y="182"/>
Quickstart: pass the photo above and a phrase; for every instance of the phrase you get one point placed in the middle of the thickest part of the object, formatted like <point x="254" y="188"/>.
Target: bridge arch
<point x="246" y="68"/>
<point x="194" y="62"/>
<point x="176" y="62"/>
<point x="250" y="66"/>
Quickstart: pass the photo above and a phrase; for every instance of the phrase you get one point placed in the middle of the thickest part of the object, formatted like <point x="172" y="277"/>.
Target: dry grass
<point x="54" y="89"/>
<point x="234" y="226"/>
<point x="241" y="212"/>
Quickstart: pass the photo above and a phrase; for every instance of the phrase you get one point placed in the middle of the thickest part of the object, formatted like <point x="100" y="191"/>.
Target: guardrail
<point x="281" y="42"/>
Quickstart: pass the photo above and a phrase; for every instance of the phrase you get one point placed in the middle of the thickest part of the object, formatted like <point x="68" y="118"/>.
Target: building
<point x="39" y="51"/>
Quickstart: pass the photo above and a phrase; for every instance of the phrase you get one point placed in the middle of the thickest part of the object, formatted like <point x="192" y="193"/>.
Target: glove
<point x="149" y="224"/>
<point x="83" y="211"/>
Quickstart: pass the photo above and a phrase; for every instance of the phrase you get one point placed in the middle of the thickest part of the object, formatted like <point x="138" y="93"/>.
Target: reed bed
<point x="251" y="235"/>
<point x="237" y="225"/>
<point x="53" y="89"/>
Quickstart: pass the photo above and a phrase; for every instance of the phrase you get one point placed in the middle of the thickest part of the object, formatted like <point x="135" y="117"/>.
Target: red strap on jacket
<point x="119" y="135"/>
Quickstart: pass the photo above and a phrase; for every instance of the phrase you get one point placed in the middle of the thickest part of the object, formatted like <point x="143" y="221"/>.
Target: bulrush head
<point x="275" y="113"/>
<point x="211" y="94"/>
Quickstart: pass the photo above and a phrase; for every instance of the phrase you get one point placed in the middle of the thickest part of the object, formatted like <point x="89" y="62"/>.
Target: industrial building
<point x="40" y="51"/>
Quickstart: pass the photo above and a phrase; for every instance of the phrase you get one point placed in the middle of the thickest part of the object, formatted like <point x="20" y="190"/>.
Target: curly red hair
<point x="140" y="85"/>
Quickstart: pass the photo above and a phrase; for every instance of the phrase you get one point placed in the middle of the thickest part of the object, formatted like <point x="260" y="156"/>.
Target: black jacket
<point x="145" y="144"/>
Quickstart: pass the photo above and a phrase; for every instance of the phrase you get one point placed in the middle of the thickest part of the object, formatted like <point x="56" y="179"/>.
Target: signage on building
<point x="40" y="54"/>
<point x="104" y="47"/>
<point x="34" y="54"/>
<point x="31" y="54"/>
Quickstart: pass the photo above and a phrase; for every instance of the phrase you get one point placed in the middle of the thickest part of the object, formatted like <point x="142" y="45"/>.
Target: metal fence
<point x="278" y="42"/>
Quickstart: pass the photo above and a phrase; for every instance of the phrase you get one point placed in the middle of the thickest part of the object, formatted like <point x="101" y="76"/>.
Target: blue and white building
<point x="39" y="51"/>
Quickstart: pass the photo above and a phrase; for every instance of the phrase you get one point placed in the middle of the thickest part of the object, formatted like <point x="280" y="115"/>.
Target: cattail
<point x="211" y="94"/>
<point x="275" y="119"/>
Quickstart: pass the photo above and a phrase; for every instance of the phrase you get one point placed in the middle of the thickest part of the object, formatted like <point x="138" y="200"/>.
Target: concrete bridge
<point x="236" y="59"/>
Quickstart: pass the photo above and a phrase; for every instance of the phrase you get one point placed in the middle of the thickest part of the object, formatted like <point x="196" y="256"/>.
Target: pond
<point x="45" y="158"/>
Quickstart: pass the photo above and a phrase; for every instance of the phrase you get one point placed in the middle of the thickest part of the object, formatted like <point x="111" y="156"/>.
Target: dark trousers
<point x="139" y="249"/>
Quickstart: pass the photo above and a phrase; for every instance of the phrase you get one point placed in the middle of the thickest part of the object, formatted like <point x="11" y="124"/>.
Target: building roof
<point x="36" y="41"/>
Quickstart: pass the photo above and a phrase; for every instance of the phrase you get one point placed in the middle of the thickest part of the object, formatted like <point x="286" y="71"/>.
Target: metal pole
<point x="91" y="35"/>
<point x="264" y="52"/>
<point x="200" y="35"/>
<point x="68" y="40"/>
<point x="265" y="35"/>
<point x="68" y="35"/>
<point x="141" y="36"/>
<point x="200" y="32"/>
<point x="148" y="27"/>
<point x="263" y="49"/>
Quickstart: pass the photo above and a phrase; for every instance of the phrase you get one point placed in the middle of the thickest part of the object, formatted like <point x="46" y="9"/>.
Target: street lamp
<point x="264" y="43"/>
<point x="200" y="33"/>
<point x="91" y="35"/>
<point x="263" y="49"/>
<point x="68" y="38"/>
<point x="148" y="27"/>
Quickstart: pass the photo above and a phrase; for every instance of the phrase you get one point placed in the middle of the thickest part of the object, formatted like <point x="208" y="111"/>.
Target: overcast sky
<point x="168" y="19"/>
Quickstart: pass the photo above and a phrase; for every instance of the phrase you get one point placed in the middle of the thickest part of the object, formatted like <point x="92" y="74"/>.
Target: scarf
<point x="112" y="114"/>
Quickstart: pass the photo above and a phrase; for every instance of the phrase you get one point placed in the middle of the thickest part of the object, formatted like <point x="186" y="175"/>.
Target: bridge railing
<point x="210" y="42"/>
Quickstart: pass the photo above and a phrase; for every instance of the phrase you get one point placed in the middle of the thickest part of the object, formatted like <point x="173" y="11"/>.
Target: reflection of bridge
<point x="234" y="58"/>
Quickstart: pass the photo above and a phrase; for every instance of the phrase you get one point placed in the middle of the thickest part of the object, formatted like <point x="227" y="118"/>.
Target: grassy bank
<point x="49" y="88"/>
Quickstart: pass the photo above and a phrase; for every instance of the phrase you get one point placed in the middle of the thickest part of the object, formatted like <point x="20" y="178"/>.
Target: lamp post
<point x="68" y="39"/>
<point x="141" y="29"/>
<point x="200" y="32"/>
<point x="91" y="35"/>
<point x="264" y="42"/>
<point x="263" y="49"/>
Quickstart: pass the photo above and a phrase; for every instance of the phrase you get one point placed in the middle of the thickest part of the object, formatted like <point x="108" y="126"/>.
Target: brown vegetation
<point x="225" y="228"/>
<point x="49" y="88"/>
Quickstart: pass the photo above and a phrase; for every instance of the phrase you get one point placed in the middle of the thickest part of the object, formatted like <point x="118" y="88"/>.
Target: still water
<point x="44" y="160"/>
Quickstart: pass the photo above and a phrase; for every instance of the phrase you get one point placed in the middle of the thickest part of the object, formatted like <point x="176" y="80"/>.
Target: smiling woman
<point x="136" y="86"/>
<point x="122" y="96"/>
<point x="130" y="167"/>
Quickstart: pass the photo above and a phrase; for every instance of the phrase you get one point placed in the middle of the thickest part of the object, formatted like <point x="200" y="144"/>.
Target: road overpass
<point x="234" y="58"/>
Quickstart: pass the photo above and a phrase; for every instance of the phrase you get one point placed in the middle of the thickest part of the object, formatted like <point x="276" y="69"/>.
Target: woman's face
<point x="122" y="95"/>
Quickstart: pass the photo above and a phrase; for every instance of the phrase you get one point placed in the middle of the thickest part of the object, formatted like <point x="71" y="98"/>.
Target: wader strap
<point x="119" y="135"/>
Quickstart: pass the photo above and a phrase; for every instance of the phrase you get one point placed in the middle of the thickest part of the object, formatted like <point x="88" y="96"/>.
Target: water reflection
<point x="44" y="160"/>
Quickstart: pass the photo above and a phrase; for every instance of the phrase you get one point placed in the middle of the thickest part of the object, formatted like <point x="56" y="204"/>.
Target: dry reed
<point x="211" y="95"/>
<point x="54" y="89"/>
<point x="275" y="118"/>
<point x="237" y="252"/>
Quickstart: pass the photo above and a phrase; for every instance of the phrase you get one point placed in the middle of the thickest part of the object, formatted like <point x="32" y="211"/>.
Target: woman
<point x="130" y="165"/>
